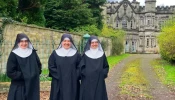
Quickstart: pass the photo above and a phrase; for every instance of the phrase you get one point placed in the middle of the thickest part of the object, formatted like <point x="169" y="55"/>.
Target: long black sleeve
<point x="77" y="65"/>
<point x="81" y="66"/>
<point x="105" y="67"/>
<point x="39" y="64"/>
<point x="13" y="71"/>
<point x="52" y="67"/>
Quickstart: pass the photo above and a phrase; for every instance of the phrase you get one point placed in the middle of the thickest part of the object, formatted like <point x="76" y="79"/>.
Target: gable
<point x="125" y="9"/>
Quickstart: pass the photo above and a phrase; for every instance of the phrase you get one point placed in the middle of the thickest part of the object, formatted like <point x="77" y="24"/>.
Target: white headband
<point x="66" y="39"/>
<point x="24" y="39"/>
<point x="94" y="40"/>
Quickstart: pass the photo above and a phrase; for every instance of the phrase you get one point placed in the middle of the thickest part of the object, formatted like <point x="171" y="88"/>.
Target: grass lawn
<point x="113" y="60"/>
<point x="4" y="78"/>
<point x="165" y="71"/>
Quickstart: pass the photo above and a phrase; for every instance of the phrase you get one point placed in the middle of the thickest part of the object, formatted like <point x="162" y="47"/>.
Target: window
<point x="124" y="24"/>
<point x="131" y="24"/>
<point x="117" y="24"/>
<point x="141" y="41"/>
<point x="148" y="22"/>
<point x="152" y="43"/>
<point x="147" y="42"/>
<point x="141" y="21"/>
<point x="161" y="24"/>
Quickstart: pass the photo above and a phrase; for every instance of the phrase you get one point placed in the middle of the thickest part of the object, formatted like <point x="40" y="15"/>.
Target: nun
<point x="94" y="70"/>
<point x="23" y="68"/>
<point x="63" y="69"/>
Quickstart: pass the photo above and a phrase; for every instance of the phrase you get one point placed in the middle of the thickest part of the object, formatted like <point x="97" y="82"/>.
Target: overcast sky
<point x="158" y="3"/>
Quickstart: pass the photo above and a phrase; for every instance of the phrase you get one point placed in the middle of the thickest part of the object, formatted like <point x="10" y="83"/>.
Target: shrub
<point x="117" y="37"/>
<point x="166" y="41"/>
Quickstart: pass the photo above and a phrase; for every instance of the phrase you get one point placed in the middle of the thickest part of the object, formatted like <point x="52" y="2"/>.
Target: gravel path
<point x="113" y="77"/>
<point x="158" y="91"/>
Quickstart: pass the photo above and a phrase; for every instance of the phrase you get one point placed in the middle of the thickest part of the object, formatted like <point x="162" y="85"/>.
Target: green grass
<point x="4" y="78"/>
<point x="44" y="75"/>
<point x="165" y="71"/>
<point x="113" y="60"/>
<point x="133" y="83"/>
<point x="45" y="71"/>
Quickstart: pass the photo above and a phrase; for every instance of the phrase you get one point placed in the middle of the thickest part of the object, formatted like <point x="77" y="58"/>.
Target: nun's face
<point x="23" y="44"/>
<point x="66" y="44"/>
<point x="94" y="44"/>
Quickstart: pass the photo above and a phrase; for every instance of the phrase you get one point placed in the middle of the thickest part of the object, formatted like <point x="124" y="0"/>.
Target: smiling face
<point x="66" y="43"/>
<point x="94" y="44"/>
<point x="23" y="44"/>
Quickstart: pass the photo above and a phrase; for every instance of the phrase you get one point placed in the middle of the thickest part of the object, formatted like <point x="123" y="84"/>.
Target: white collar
<point x="94" y="53"/>
<point x="23" y="52"/>
<point x="65" y="52"/>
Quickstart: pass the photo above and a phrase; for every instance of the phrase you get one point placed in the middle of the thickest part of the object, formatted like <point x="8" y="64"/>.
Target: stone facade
<point x="141" y="23"/>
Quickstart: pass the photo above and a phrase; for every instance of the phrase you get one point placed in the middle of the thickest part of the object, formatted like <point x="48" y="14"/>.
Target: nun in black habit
<point x="94" y="70"/>
<point x="63" y="69"/>
<point x="24" y="68"/>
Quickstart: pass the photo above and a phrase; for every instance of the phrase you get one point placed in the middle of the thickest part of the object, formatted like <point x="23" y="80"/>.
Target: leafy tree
<point x="166" y="41"/>
<point x="31" y="12"/>
<point x="8" y="8"/>
<point x="27" y="11"/>
<point x="96" y="10"/>
<point x="67" y="14"/>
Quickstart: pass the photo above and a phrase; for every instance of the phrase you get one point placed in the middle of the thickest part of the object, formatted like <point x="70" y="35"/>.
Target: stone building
<point x="141" y="23"/>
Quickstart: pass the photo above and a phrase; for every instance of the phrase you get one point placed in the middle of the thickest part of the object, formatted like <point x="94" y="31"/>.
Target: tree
<point x="26" y="11"/>
<point x="31" y="12"/>
<point x="8" y="8"/>
<point x="96" y="10"/>
<point x="67" y="14"/>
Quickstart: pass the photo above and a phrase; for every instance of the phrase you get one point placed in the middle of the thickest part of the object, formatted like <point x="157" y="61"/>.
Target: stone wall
<point x="0" y="27"/>
<point x="44" y="40"/>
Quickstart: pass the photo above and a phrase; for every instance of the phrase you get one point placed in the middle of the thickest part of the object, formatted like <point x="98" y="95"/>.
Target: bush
<point x="104" y="44"/>
<point x="166" y="41"/>
<point x="90" y="29"/>
<point x="117" y="46"/>
<point x="117" y="37"/>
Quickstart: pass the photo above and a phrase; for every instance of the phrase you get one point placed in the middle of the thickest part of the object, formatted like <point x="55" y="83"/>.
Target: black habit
<point x="24" y="74"/>
<point x="93" y="74"/>
<point x="65" y="75"/>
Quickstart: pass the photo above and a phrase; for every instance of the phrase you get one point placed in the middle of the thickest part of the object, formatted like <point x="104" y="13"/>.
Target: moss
<point x="133" y="82"/>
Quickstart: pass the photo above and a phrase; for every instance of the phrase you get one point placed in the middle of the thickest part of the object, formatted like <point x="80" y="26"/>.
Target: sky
<point x="158" y="2"/>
